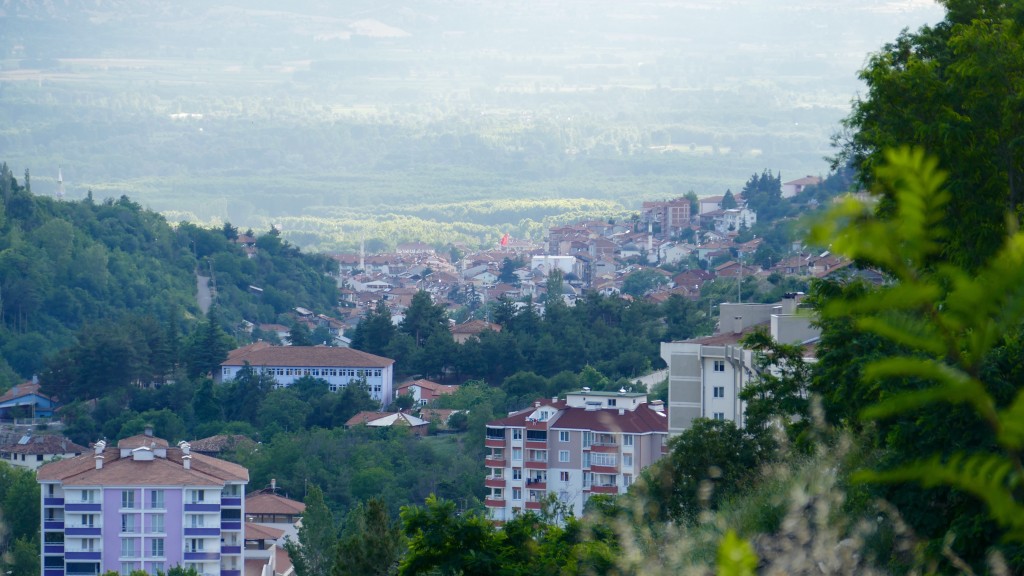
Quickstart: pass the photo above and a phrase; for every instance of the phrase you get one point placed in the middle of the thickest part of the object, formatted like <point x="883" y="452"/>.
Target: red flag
<point x="504" y="239"/>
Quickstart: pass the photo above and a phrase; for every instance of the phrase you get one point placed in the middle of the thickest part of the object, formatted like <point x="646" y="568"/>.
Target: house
<point x="589" y="443"/>
<point x="794" y="187"/>
<point x="733" y="219"/>
<point x="425" y="391"/>
<point x="143" y="505"/>
<point x="338" y="366"/>
<point x="25" y="401"/>
<point x="472" y="329"/>
<point x="33" y="451"/>
<point x="706" y="375"/>
<point x="270" y="519"/>
<point x="417" y="426"/>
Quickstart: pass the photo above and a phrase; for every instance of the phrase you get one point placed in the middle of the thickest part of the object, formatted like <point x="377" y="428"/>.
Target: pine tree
<point x="312" y="554"/>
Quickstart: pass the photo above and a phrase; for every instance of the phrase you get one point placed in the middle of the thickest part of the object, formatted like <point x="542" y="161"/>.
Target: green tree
<point x="728" y="201"/>
<point x="371" y="542"/>
<point x="300" y="335"/>
<point x="642" y="281"/>
<point x="778" y="392"/>
<point x="375" y="331"/>
<point x="442" y="541"/>
<point x="312" y="555"/>
<point x="423" y="318"/>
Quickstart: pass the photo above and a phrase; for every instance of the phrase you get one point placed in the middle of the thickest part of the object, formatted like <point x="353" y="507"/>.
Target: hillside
<point x="69" y="268"/>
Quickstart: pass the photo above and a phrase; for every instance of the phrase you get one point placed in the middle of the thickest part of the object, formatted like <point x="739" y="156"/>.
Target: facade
<point x="338" y="366"/>
<point x="706" y="375"/>
<point x="672" y="216"/>
<point x="142" y="506"/>
<point x="589" y="443"/>
<point x="25" y="401"/>
<point x="424" y="392"/>
<point x="794" y="187"/>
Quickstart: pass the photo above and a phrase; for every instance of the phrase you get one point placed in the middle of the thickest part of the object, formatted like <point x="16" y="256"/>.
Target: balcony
<point x="532" y="505"/>
<point x="72" y="556"/>
<point x="604" y="448"/>
<point x="202" y="507"/>
<point x="197" y="531"/>
<point x="231" y="525"/>
<point x="536" y="484"/>
<point x="230" y="573"/>
<point x="230" y="501"/>
<point x="53" y="548"/>
<point x="603" y="469"/>
<point x="83" y="531"/>
<point x="230" y="549"/>
<point x="495" y="482"/>
<point x="53" y="525"/>
<point x="537" y="464"/>
<point x="201" y="556"/>
<point x="53" y="501"/>
<point x="83" y="507"/>
<point x="494" y="442"/>
<point x="494" y="461"/>
<point x="537" y="444"/>
<point x="612" y="489"/>
<point x="494" y="502"/>
<point x="60" y="572"/>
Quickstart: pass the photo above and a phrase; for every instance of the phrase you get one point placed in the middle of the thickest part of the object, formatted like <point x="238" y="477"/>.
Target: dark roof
<point x="642" y="420"/>
<point x="47" y="444"/>
<point x="23" y="389"/>
<point x="263" y="354"/>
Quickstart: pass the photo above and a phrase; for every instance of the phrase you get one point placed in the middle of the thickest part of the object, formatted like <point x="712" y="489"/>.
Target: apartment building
<point x="589" y="443"/>
<point x="143" y="505"/>
<point x="706" y="375"/>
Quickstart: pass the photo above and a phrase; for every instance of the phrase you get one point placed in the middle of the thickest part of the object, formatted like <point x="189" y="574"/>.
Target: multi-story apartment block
<point x="588" y="443"/>
<point x="142" y="506"/>
<point x="338" y="366"/>
<point x="706" y="375"/>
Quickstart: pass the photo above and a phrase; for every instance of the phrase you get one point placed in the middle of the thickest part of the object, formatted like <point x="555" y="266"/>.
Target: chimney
<point x="186" y="461"/>
<point x="99" y="446"/>
<point x="622" y="411"/>
<point x="554" y="399"/>
<point x="149" y="430"/>
<point x="273" y="485"/>
<point x="737" y="325"/>
<point x="536" y="404"/>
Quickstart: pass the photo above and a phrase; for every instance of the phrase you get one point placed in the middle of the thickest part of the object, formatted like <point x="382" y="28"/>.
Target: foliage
<point x="946" y="322"/>
<point x="371" y="542"/>
<point x="736" y="557"/>
<point x="312" y="554"/>
<point x="778" y="392"/>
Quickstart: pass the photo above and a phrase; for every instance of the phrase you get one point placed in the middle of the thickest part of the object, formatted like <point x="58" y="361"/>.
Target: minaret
<point x="60" y="184"/>
<point x="362" y="253"/>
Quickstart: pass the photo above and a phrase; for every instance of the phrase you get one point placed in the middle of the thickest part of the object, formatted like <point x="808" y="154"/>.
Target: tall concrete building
<point x="143" y="505"/>
<point x="589" y="443"/>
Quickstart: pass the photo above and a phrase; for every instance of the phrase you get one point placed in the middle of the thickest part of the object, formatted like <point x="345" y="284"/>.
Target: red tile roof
<point x="267" y="503"/>
<point x="254" y="531"/>
<point x="169" y="471"/>
<point x="47" y="444"/>
<point x="23" y="389"/>
<point x="263" y="354"/>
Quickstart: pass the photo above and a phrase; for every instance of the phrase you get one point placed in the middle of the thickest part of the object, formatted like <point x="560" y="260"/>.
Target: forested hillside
<point x="107" y="275"/>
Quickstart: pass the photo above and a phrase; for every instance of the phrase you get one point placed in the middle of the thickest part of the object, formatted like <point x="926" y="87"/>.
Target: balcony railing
<point x="53" y="501"/>
<point x="82" y="507"/>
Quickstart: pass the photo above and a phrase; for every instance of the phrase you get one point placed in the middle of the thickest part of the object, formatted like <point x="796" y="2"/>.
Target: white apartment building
<point x="588" y="443"/>
<point x="706" y="375"/>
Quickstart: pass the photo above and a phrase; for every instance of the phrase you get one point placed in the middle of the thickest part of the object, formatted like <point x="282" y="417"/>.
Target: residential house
<point x="706" y="375"/>
<point x="424" y="392"/>
<point x="26" y="401"/>
<point x="338" y="366"/>
<point x="795" y="187"/>
<point x="417" y="426"/>
<point x="33" y="451"/>
<point x="667" y="217"/>
<point x="733" y="219"/>
<point x="589" y="443"/>
<point x="472" y="329"/>
<point x="143" y="505"/>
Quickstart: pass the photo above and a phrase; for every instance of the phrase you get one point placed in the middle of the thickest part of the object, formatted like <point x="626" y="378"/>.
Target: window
<point x="88" y="496"/>
<point x="196" y="521"/>
<point x="627" y="439"/>
<point x="563" y="475"/>
<point x="611" y="402"/>
<point x="517" y="454"/>
<point x="517" y="433"/>
<point x="127" y="498"/>
<point x="88" y="520"/>
<point x="127" y="547"/>
<point x="157" y="547"/>
<point x="719" y="365"/>
<point x="627" y="479"/>
<point x="39" y="457"/>
<point x="127" y="524"/>
<point x="517" y="493"/>
<point x="198" y="496"/>
<point x="563" y="435"/>
<point x="627" y="460"/>
<point x="157" y="568"/>
<point x="563" y="455"/>
<point x="719" y="392"/>
<point x="719" y="415"/>
<point x="194" y="544"/>
<point x="157" y="523"/>
<point x="517" y="473"/>
<point x="601" y="459"/>
<point x="89" y="544"/>
<point x="127" y="568"/>
<point x="156" y="499"/>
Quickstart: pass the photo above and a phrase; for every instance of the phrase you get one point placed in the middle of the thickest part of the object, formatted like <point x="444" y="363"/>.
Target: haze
<point x="327" y="115"/>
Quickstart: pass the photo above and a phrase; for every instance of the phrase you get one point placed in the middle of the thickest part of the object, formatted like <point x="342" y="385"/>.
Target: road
<point x="203" y="295"/>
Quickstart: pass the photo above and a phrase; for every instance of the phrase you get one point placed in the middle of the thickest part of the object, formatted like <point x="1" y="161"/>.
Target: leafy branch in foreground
<point x="947" y="318"/>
